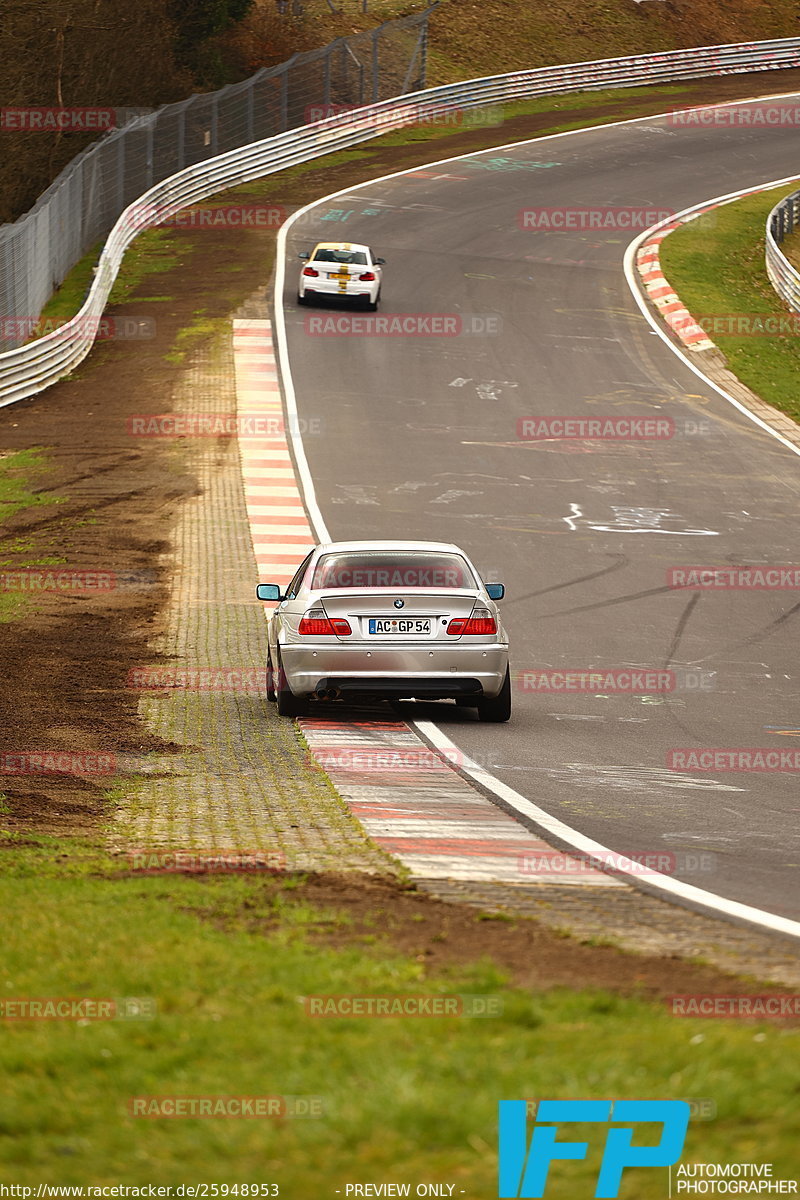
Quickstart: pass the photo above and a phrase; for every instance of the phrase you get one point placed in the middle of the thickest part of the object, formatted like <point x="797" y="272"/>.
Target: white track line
<point x="672" y="888"/>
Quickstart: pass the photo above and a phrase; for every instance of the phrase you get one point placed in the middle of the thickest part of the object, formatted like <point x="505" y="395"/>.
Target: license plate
<point x="382" y="625"/>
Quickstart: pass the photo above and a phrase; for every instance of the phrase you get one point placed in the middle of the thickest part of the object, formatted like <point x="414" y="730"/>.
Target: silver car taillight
<point x="480" y="623"/>
<point x="317" y="623"/>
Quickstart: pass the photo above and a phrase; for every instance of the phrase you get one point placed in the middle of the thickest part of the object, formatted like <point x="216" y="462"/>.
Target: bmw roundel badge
<point x="399" y="603"/>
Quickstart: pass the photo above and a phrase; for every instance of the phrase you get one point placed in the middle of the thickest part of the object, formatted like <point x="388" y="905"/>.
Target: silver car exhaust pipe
<point x="324" y="693"/>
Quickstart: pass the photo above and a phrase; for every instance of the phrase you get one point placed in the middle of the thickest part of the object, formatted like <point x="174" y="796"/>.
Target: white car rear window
<point x="404" y="569"/>
<point x="357" y="257"/>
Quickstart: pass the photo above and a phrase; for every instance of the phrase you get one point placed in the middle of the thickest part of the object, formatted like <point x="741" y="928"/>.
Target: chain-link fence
<point x="82" y="204"/>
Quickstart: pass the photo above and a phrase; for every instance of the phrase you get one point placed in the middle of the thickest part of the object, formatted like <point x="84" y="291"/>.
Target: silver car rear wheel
<point x="289" y="705"/>
<point x="497" y="708"/>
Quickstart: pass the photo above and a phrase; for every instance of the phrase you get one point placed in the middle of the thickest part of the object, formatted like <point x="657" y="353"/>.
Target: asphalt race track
<point x="417" y="436"/>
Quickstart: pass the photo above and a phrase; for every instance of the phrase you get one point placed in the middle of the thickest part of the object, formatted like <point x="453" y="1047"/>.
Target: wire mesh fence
<point x="82" y="204"/>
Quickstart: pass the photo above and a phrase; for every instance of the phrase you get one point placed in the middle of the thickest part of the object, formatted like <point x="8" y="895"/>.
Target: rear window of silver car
<point x="396" y="570"/>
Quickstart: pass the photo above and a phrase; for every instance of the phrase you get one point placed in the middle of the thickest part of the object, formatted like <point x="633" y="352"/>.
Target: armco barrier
<point x="783" y="219"/>
<point x="29" y="369"/>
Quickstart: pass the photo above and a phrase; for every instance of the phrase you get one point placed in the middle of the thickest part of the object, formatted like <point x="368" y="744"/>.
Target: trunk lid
<point x="374" y="617"/>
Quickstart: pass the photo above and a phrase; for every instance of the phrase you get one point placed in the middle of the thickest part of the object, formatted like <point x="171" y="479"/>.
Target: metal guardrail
<point x="784" y="218"/>
<point x="29" y="369"/>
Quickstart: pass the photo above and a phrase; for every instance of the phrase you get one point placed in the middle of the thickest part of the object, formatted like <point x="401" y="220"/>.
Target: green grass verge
<point x="68" y="298"/>
<point x="16" y="488"/>
<point x="152" y="253"/>
<point x="720" y="271"/>
<point x="18" y="475"/>
<point x="404" y="1099"/>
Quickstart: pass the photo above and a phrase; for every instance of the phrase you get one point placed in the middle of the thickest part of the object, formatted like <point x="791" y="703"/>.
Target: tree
<point x="198" y="20"/>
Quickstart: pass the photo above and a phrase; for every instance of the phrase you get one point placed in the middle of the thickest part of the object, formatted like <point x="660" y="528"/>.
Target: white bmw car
<point x="387" y="620"/>
<point x="343" y="269"/>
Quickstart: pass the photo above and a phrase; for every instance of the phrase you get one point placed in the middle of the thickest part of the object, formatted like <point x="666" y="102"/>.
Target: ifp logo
<point x="524" y="1169"/>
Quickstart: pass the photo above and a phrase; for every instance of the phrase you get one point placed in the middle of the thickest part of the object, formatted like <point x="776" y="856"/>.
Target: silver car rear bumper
<point x="405" y="671"/>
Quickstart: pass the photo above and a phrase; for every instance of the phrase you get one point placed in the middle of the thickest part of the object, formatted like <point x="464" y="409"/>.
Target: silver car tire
<point x="497" y="708"/>
<point x="289" y="705"/>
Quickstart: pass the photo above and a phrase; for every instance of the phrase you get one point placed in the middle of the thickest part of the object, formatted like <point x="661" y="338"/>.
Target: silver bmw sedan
<point x="387" y="620"/>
